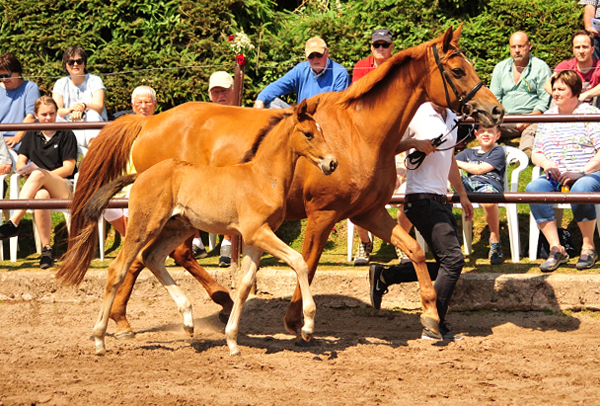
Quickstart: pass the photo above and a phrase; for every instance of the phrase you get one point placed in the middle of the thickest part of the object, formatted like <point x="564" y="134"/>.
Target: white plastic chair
<point x="14" y="157"/>
<point x="512" y="155"/>
<point x="534" y="231"/>
<point x="15" y="189"/>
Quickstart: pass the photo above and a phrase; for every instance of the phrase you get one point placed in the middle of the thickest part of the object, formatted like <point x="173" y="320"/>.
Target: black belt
<point x="413" y="197"/>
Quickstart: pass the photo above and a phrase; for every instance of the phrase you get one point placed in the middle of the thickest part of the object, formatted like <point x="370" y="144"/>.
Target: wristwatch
<point x="582" y="172"/>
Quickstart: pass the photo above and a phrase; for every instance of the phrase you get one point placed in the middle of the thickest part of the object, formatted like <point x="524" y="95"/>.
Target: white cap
<point x="220" y="79"/>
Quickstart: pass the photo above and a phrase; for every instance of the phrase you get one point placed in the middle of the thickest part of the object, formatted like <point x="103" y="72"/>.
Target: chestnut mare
<point x="364" y="126"/>
<point x="166" y="208"/>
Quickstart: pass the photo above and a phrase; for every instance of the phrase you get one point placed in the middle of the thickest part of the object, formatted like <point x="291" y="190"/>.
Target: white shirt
<point x="432" y="175"/>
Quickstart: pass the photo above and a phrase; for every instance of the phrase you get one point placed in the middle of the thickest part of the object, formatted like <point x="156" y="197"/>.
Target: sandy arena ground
<point x="359" y="357"/>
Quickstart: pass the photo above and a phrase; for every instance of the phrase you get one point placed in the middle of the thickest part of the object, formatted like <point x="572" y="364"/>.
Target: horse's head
<point x="455" y="83"/>
<point x="307" y="138"/>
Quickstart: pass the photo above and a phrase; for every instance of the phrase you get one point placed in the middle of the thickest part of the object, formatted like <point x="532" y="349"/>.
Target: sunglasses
<point x="6" y="75"/>
<point x="382" y="45"/>
<point x="78" y="61"/>
<point x="315" y="55"/>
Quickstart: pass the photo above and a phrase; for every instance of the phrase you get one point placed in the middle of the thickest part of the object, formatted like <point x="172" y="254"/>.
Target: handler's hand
<point x="424" y="146"/>
<point x="259" y="104"/>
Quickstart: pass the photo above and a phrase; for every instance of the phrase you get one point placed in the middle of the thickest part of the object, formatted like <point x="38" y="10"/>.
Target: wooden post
<point x="238" y="97"/>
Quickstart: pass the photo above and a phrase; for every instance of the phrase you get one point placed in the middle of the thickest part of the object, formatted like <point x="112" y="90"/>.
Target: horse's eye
<point x="458" y="72"/>
<point x="308" y="135"/>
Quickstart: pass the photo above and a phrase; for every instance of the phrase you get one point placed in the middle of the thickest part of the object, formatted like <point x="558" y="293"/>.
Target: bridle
<point x="464" y="108"/>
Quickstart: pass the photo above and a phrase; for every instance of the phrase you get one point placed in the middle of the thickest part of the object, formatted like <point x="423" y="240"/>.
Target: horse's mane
<point x="368" y="82"/>
<point x="273" y="121"/>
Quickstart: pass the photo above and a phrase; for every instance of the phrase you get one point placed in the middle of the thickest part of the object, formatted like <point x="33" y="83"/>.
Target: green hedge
<point x="174" y="45"/>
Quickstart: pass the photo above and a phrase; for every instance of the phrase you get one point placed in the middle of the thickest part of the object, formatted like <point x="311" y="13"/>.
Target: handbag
<point x="565" y="240"/>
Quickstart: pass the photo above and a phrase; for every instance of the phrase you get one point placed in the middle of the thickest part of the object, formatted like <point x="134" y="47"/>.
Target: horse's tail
<point x="105" y="161"/>
<point x="82" y="246"/>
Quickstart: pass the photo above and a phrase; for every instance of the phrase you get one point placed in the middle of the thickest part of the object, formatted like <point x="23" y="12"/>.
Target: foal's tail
<point x="82" y="246"/>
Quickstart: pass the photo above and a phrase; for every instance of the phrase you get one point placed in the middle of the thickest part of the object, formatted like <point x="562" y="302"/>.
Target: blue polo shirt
<point x="17" y="103"/>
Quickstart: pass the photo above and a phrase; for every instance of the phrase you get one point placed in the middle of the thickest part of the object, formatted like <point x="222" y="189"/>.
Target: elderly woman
<point x="569" y="155"/>
<point x="79" y="96"/>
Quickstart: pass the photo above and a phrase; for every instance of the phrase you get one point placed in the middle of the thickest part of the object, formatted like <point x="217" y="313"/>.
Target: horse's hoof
<point x="125" y="335"/>
<point x="301" y="342"/>
<point x="431" y="325"/>
<point x="189" y="330"/>
<point x="295" y="330"/>
<point x="224" y="317"/>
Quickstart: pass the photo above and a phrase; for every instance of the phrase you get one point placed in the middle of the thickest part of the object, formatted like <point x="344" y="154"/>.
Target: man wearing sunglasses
<point x="317" y="75"/>
<point x="382" y="48"/>
<point x="17" y="97"/>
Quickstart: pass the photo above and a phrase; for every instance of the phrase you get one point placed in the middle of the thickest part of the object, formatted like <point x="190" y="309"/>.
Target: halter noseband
<point x="463" y="100"/>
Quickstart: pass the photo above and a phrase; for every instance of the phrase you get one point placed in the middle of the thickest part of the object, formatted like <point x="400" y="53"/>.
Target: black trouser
<point x="436" y="224"/>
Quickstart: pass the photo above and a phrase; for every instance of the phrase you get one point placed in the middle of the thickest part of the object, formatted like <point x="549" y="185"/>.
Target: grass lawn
<point x="335" y="253"/>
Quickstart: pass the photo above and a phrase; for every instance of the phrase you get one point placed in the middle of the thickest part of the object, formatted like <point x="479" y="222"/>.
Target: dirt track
<point x="360" y="357"/>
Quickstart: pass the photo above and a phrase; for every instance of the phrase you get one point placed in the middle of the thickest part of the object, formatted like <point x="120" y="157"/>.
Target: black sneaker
<point x="225" y="256"/>
<point x="495" y="255"/>
<point x="445" y="333"/>
<point x="47" y="260"/>
<point x="378" y="288"/>
<point x="199" y="252"/>
<point x="8" y="230"/>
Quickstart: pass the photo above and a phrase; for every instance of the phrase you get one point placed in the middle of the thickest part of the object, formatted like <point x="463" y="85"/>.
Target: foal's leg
<point x="116" y="274"/>
<point x="154" y="256"/>
<point x="184" y="257"/>
<point x="249" y="267"/>
<point x="381" y="224"/>
<point x="266" y="239"/>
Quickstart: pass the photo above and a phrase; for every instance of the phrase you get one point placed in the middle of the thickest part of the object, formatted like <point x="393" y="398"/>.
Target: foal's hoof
<point x="430" y="324"/>
<point x="302" y="343"/>
<point x="125" y="335"/>
<point x="189" y="330"/>
<point x="224" y="317"/>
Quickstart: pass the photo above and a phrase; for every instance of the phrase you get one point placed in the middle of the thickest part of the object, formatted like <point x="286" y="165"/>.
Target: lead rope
<point x="416" y="158"/>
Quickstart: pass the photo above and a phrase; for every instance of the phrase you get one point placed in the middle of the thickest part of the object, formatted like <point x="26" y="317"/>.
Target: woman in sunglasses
<point x="79" y="96"/>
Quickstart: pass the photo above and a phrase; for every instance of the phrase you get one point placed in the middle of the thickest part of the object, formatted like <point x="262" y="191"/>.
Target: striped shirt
<point x="569" y="145"/>
<point x="592" y="3"/>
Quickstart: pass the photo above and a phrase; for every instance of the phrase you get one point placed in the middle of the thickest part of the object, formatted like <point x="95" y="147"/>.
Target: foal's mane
<point x="273" y="121"/>
<point x="368" y="82"/>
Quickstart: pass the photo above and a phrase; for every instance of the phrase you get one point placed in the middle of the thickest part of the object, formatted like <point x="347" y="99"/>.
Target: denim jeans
<point x="436" y="224"/>
<point x="581" y="212"/>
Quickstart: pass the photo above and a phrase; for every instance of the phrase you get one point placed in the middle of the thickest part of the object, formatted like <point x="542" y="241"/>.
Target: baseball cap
<point x="220" y="79"/>
<point x="382" y="35"/>
<point x="315" y="44"/>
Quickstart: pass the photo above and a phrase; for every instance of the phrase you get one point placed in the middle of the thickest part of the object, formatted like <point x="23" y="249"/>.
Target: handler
<point x="428" y="209"/>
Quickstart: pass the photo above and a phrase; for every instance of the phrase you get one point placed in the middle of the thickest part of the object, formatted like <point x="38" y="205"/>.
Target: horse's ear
<point x="311" y="105"/>
<point x="456" y="35"/>
<point x="301" y="109"/>
<point x="447" y="40"/>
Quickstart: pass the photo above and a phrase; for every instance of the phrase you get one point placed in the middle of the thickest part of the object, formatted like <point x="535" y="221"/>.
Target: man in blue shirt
<point x="317" y="75"/>
<point x="17" y="97"/>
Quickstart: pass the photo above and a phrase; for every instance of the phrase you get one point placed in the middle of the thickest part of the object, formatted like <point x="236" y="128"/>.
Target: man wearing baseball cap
<point x="220" y="88"/>
<point x="382" y="48"/>
<point x="318" y="74"/>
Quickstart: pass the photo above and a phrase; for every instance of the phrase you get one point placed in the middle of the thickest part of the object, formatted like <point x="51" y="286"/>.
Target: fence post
<point x="238" y="97"/>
